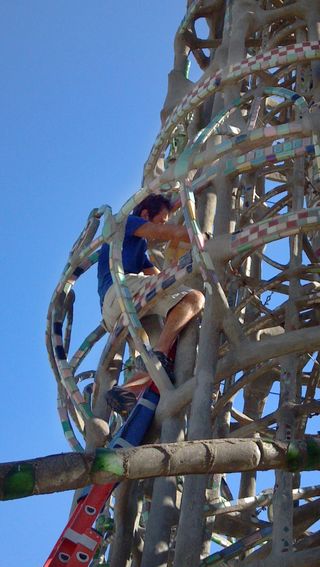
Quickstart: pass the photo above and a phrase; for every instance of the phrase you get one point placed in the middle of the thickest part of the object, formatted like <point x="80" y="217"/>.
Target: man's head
<point x="154" y="208"/>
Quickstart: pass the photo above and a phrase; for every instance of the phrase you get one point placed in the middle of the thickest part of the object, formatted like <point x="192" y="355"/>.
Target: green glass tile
<point x="244" y="248"/>
<point x="297" y="143"/>
<point x="19" y="482"/>
<point x="283" y="129"/>
<point x="106" y="460"/>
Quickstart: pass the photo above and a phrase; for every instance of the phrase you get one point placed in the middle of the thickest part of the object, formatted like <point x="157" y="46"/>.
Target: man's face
<point x="162" y="217"/>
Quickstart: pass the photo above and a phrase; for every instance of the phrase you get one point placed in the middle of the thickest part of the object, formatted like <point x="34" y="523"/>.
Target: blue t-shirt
<point x="134" y="256"/>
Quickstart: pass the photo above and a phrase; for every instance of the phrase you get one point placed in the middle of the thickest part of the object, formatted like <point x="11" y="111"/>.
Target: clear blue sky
<point x="82" y="87"/>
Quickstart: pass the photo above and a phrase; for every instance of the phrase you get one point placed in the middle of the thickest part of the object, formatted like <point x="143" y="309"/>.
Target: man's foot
<point x="165" y="361"/>
<point x="121" y="400"/>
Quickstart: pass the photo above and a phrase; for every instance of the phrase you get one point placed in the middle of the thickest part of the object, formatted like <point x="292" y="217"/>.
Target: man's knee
<point x="196" y="299"/>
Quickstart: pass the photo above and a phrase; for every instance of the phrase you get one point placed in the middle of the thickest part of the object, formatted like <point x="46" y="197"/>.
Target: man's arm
<point x="151" y="271"/>
<point x="163" y="232"/>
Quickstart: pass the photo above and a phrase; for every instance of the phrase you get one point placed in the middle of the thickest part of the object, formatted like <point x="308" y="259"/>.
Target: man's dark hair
<point x="153" y="204"/>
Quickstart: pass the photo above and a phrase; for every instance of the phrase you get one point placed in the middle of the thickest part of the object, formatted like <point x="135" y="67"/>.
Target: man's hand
<point x="167" y="232"/>
<point x="163" y="232"/>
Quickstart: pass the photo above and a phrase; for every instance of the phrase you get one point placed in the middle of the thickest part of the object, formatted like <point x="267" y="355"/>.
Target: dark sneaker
<point x="121" y="400"/>
<point x="165" y="361"/>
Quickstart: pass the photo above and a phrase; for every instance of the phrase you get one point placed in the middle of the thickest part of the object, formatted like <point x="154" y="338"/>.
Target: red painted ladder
<point x="78" y="542"/>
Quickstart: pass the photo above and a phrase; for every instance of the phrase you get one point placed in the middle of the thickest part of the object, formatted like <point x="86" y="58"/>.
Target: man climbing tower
<point x="148" y="221"/>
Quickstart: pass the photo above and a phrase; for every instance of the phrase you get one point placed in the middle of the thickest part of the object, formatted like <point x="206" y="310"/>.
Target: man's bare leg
<point x="179" y="316"/>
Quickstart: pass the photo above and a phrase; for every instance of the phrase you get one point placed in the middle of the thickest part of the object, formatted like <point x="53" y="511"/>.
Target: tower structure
<point x="239" y="152"/>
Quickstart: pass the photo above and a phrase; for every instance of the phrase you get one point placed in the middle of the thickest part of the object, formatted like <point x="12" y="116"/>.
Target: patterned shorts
<point x="111" y="309"/>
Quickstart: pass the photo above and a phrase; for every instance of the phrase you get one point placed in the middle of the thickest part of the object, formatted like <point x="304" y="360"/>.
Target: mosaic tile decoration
<point x="53" y="319"/>
<point x="262" y="135"/>
<point x="202" y="258"/>
<point x="86" y="346"/>
<point x="81" y="258"/>
<point x="261" y="233"/>
<point x="305" y="51"/>
<point x="65" y="371"/>
<point x="257" y="158"/>
<point x="218" y="558"/>
<point x="184" y="162"/>
<point x="67" y="427"/>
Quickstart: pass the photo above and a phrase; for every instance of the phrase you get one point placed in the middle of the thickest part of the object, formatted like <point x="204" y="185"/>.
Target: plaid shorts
<point x="111" y="309"/>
